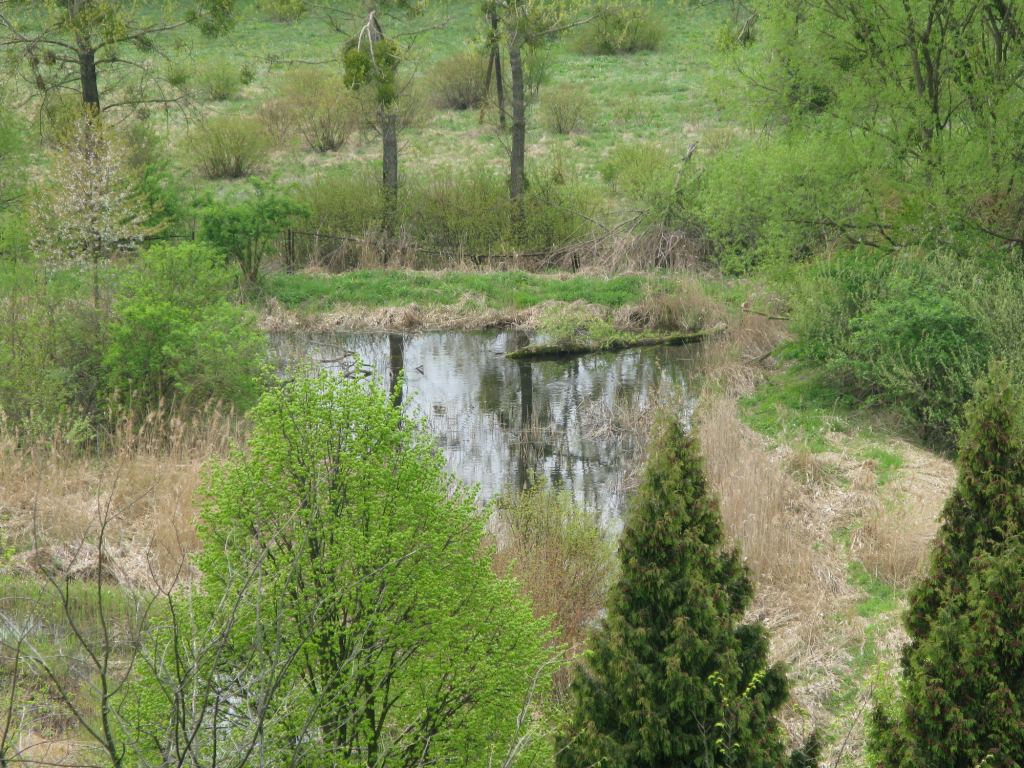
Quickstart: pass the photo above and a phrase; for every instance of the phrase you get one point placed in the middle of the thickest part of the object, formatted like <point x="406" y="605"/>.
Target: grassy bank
<point x="558" y="305"/>
<point x="374" y="289"/>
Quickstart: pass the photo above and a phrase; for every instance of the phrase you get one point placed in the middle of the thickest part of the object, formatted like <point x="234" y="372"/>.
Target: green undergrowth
<point x="798" y="406"/>
<point x="500" y="290"/>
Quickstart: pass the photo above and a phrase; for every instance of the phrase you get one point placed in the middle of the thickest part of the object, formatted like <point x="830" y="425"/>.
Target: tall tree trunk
<point x="87" y="75"/>
<point x="499" y="80"/>
<point x="517" y="164"/>
<point x="389" y="134"/>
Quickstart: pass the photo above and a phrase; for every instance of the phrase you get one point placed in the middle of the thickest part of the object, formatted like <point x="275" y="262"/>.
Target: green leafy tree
<point x="246" y="230"/>
<point x="674" y="676"/>
<point x="403" y="647"/>
<point x="177" y="335"/>
<point x="64" y="45"/>
<point x="961" y="697"/>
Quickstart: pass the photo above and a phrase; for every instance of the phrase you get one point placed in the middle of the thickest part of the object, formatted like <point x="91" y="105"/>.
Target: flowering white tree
<point x="90" y="209"/>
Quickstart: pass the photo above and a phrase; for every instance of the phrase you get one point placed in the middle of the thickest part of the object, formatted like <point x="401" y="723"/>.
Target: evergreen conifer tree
<point x="674" y="678"/>
<point x="961" y="696"/>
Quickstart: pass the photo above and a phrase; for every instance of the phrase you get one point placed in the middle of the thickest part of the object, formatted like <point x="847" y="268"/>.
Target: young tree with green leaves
<point x="408" y="650"/>
<point x="245" y="230"/>
<point x="64" y="45"/>
<point x="961" y="697"/>
<point x="674" y="676"/>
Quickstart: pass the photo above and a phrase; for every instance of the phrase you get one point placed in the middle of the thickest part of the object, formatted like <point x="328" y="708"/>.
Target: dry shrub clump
<point x="684" y="307"/>
<point x="230" y="147"/>
<point x="322" y="109"/>
<point x="736" y="361"/>
<point x="566" y="109"/>
<point x="460" y="82"/>
<point x="559" y="553"/>
<point x="144" y="480"/>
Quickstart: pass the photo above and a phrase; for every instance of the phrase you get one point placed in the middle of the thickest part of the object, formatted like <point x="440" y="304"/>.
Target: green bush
<point x="341" y="511"/>
<point x="788" y="197"/>
<point x="537" y="64"/>
<point x="320" y="107"/>
<point x="177" y="335"/>
<point x="459" y="81"/>
<point x="566" y="109"/>
<point x="345" y="201"/>
<point x="284" y="10"/>
<point x="912" y="331"/>
<point x="59" y="115"/>
<point x="218" y="80"/>
<point x="179" y="74"/>
<point x="649" y="174"/>
<point x="246" y="230"/>
<point x="230" y="147"/>
<point x="618" y="28"/>
<point x="469" y="214"/>
<point x="51" y="345"/>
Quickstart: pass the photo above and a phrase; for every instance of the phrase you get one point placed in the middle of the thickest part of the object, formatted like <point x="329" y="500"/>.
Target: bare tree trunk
<point x="389" y="134"/>
<point x="89" y="78"/>
<point x="499" y="80"/>
<point x="517" y="165"/>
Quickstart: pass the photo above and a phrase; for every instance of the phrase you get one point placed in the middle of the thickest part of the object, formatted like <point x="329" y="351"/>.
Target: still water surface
<point x="505" y="424"/>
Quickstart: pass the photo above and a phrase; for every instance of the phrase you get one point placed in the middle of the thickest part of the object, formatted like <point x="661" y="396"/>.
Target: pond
<point x="576" y="423"/>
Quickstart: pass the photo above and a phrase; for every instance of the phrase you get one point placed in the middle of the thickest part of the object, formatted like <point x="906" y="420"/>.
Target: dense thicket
<point x="961" y="696"/>
<point x="675" y="676"/>
<point x="891" y="165"/>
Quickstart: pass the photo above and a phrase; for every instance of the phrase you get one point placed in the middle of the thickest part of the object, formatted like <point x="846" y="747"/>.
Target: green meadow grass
<point x="500" y="290"/>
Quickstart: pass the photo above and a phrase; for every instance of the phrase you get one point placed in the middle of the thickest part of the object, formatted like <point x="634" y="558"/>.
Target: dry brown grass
<point x="737" y="361"/>
<point x="895" y="538"/>
<point x="51" y="496"/>
<point x="800" y="573"/>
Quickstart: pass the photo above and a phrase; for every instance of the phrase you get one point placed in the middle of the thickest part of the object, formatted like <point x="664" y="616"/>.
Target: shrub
<point x="322" y="108"/>
<point x="59" y="115"/>
<point x="246" y="230"/>
<point x="176" y="334"/>
<point x="559" y="553"/>
<point x="566" y="109"/>
<point x="345" y="201"/>
<point x="650" y="175"/>
<point x="459" y="81"/>
<point x="675" y="674"/>
<point x="230" y="147"/>
<point x="51" y="347"/>
<point x="277" y="118"/>
<point x="365" y="545"/>
<point x="284" y="10"/>
<point x="468" y="213"/>
<point x="179" y="74"/>
<point x="537" y="64"/>
<point x="912" y="330"/>
<point x="12" y="158"/>
<point x="218" y="80"/>
<point x="789" y="197"/>
<point x="618" y="28"/>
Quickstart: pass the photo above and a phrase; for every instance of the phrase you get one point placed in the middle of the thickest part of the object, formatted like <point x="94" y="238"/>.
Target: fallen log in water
<point x="574" y="347"/>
